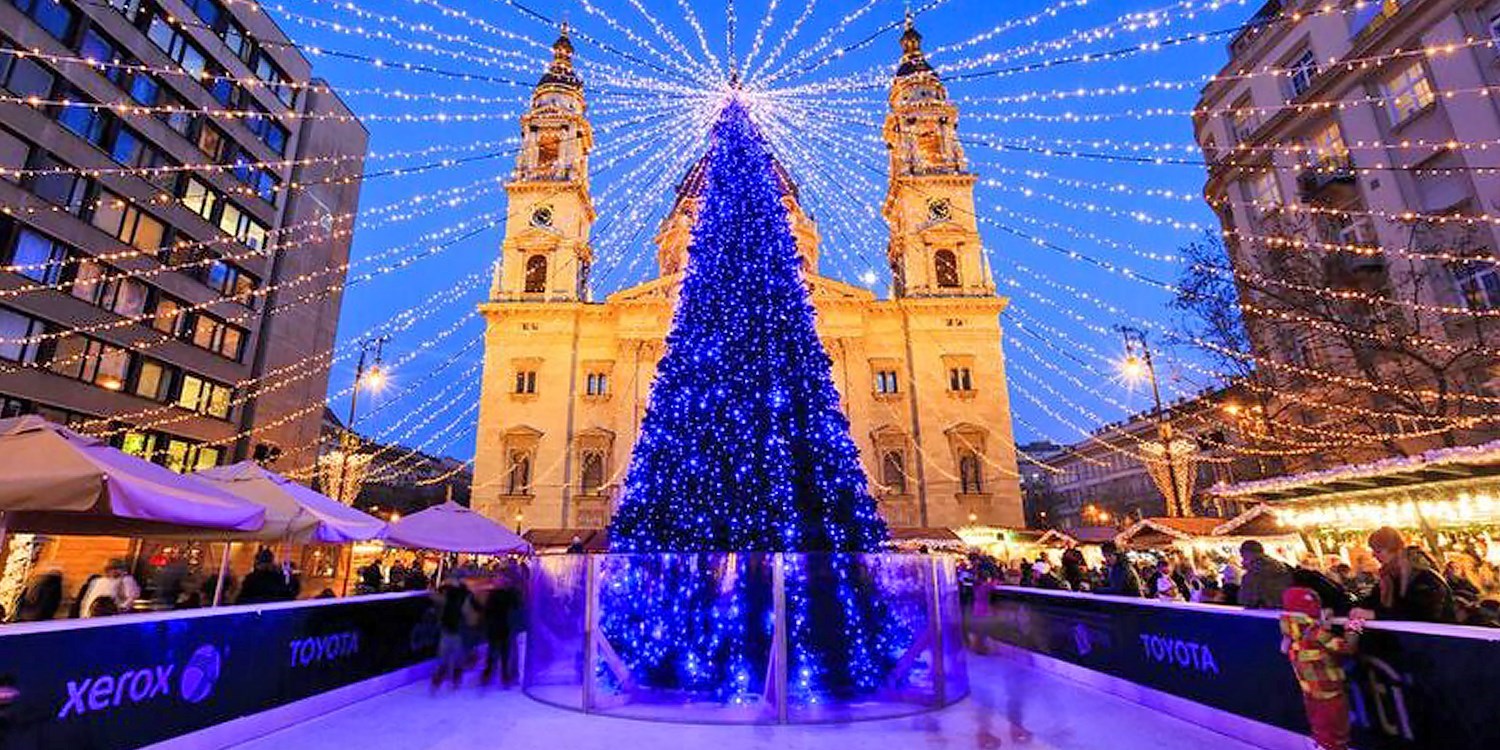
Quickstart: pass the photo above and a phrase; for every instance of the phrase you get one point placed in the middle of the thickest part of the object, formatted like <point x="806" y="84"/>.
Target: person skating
<point x="42" y="596"/>
<point x="456" y="609"/>
<point x="502" y="610"/>
<point x="1314" y="649"/>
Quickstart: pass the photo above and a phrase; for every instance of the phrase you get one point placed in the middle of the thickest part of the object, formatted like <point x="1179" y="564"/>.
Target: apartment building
<point x="177" y="197"/>
<point x="1354" y="163"/>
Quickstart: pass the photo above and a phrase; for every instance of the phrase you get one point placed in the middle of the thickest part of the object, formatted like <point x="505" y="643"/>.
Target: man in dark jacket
<point x="263" y="584"/>
<point x="1265" y="578"/>
<point x="1123" y="580"/>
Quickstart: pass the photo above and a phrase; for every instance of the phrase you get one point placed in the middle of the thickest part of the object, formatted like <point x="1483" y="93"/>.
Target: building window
<point x="519" y="478"/>
<point x="591" y="473"/>
<point x="91" y="361"/>
<point x="1325" y="147"/>
<point x="893" y="472"/>
<point x="536" y="274"/>
<point x="886" y="382"/>
<point x="1300" y="74"/>
<point x="1263" y="191"/>
<point x="38" y="258"/>
<point x="971" y="476"/>
<point x="598" y="384"/>
<point x="16" y="334"/>
<point x="1478" y="282"/>
<point x="526" y="382"/>
<point x="204" y="397"/>
<point x="946" y="264"/>
<point x="25" y="77"/>
<point x="1242" y="120"/>
<point x="959" y="380"/>
<point x="1407" y="93"/>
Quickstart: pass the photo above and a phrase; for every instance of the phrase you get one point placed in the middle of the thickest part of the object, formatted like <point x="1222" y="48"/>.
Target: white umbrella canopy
<point x="54" y="480"/>
<point x="294" y="513"/>
<point x="451" y="527"/>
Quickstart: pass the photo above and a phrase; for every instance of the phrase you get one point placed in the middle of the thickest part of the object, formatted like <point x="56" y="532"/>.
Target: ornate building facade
<point x="922" y="374"/>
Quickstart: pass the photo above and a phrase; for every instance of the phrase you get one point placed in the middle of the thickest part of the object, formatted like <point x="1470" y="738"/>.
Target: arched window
<point x="591" y="473"/>
<point x="946" y="264"/>
<point x="520" y="473"/>
<point x="536" y="274"/>
<point x="893" y="472"/>
<point x="898" y="278"/>
<point x="548" y="148"/>
<point x="971" y="477"/>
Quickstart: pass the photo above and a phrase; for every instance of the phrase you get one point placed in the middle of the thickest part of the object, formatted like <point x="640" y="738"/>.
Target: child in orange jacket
<point x="1314" y="649"/>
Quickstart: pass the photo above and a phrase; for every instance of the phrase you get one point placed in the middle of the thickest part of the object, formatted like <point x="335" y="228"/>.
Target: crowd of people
<point x="1397" y="580"/>
<point x="480" y="606"/>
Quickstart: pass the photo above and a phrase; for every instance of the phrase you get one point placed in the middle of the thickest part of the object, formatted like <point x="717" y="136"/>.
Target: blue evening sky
<point x="1059" y="336"/>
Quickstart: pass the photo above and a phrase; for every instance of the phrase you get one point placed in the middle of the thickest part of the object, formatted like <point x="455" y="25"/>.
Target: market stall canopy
<point x="56" y="481"/>
<point x="1079" y="535"/>
<point x="559" y="540"/>
<point x="1259" y="521"/>
<point x="294" y="513"/>
<point x="1163" y="531"/>
<point x="451" y="527"/>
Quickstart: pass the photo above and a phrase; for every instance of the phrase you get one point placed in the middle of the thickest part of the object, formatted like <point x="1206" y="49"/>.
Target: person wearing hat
<point x="1309" y="641"/>
<point x="116" y="584"/>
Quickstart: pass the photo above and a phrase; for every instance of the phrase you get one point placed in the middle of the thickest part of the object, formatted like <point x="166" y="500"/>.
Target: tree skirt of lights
<point x="742" y="638"/>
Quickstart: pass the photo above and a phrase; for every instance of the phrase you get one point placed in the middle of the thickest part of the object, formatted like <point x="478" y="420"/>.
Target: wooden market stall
<point x="1448" y="500"/>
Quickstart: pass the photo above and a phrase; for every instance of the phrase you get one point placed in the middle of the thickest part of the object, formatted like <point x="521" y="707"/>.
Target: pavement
<point x="1051" y="713"/>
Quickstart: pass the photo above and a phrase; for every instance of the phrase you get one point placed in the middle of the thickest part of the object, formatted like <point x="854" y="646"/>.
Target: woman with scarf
<point x="1411" y="587"/>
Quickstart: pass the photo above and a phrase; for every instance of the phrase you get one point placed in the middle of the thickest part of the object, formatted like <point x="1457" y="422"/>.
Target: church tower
<point x="935" y="250"/>
<point x="546" y="254"/>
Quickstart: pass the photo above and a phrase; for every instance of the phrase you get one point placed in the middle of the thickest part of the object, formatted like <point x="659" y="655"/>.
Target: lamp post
<point x="375" y="380"/>
<point x="1137" y="366"/>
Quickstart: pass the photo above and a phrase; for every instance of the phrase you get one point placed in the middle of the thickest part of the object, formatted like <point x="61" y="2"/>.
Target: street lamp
<point x="374" y="379"/>
<point x="1135" y="368"/>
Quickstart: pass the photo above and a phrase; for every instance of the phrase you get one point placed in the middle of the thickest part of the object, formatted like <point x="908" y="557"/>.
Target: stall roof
<point x="914" y="534"/>
<point x="1440" y="465"/>
<point x="1258" y="521"/>
<point x="1080" y="535"/>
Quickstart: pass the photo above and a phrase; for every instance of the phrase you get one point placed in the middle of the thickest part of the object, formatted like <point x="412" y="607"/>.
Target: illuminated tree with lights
<point x="744" y="449"/>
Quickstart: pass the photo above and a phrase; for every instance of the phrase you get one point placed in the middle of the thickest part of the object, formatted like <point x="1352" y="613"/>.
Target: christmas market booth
<point x="1447" y="499"/>
<point x="1210" y="542"/>
<point x="1002" y="542"/>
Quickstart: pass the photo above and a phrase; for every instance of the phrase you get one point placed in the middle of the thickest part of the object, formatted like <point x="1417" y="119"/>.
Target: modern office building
<point x="178" y="197"/>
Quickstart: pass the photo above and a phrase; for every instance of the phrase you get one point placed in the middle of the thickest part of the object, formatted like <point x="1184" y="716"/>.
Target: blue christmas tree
<point x="744" y="450"/>
<point x="744" y="447"/>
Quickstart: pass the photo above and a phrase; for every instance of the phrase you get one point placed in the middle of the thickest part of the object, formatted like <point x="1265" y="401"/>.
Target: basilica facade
<point x="921" y="374"/>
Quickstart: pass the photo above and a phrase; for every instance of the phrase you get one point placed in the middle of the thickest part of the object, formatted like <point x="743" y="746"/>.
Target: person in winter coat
<point x="116" y="584"/>
<point x="1315" y="650"/>
<point x="42" y="596"/>
<point x="1044" y="578"/>
<point x="1075" y="569"/>
<point x="1122" y="578"/>
<point x="1265" y="578"/>
<point x="1410" y="586"/>
<point x="263" y="584"/>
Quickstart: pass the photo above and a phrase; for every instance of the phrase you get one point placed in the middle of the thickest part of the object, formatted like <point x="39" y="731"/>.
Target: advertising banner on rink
<point x="129" y="681"/>
<point x="1408" y="690"/>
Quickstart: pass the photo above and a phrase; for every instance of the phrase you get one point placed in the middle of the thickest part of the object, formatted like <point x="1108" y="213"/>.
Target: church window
<point x="547" y="150"/>
<point x="520" y="474"/>
<point x="598" y="384"/>
<point x="886" y="382"/>
<point x="536" y="274"/>
<point x="959" y="380"/>
<point x="591" y="473"/>
<point x="946" y="264"/>
<point x="526" y="382"/>
<point x="893" y="472"/>
<point x="971" y="477"/>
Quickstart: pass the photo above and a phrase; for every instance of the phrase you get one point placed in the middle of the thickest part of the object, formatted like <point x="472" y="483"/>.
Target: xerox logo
<point x="133" y="686"/>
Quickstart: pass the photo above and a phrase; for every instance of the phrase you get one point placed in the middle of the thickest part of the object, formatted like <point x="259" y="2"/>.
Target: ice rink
<point x="1049" y="713"/>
